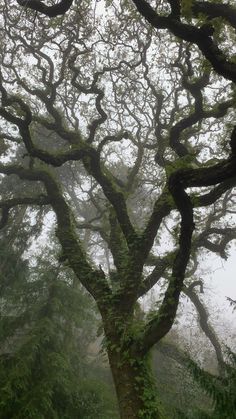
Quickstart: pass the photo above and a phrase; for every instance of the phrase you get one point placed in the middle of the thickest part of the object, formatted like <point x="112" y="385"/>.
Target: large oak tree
<point x="137" y="102"/>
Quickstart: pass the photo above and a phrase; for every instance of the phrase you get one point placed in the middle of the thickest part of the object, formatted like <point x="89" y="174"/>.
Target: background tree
<point x="47" y="323"/>
<point x="99" y="91"/>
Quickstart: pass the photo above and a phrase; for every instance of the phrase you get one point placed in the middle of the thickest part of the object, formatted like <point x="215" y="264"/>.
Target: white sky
<point x="222" y="283"/>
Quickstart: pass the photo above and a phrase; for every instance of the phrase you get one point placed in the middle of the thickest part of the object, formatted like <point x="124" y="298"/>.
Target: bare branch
<point x="51" y="11"/>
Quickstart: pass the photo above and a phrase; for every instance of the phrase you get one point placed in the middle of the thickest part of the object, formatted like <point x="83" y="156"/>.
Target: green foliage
<point x="43" y="362"/>
<point x="186" y="8"/>
<point x="179" y="393"/>
<point x="10" y="263"/>
<point x="222" y="390"/>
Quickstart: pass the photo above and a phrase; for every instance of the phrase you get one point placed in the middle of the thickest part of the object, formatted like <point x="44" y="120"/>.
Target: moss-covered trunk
<point x="135" y="386"/>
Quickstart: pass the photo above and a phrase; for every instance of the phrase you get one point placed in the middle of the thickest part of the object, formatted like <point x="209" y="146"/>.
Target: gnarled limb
<point x="202" y="37"/>
<point x="51" y="11"/>
<point x="204" y="324"/>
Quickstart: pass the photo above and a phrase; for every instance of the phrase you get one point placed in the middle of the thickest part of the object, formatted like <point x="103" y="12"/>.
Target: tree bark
<point x="135" y="387"/>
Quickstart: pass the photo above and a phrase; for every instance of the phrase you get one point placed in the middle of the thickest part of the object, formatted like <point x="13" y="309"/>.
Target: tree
<point x="100" y="91"/>
<point x="222" y="390"/>
<point x="47" y="323"/>
<point x="219" y="389"/>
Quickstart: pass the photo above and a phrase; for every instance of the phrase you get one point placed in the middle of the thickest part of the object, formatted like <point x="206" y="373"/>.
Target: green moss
<point x="186" y="8"/>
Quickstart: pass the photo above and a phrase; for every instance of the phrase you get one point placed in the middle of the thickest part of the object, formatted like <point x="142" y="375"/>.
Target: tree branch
<point x="198" y="36"/>
<point x="51" y="11"/>
<point x="92" y="279"/>
<point x="203" y="321"/>
<point x="162" y="322"/>
<point x="213" y="10"/>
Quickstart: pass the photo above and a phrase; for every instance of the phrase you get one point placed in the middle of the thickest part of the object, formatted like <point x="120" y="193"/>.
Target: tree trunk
<point x="135" y="387"/>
